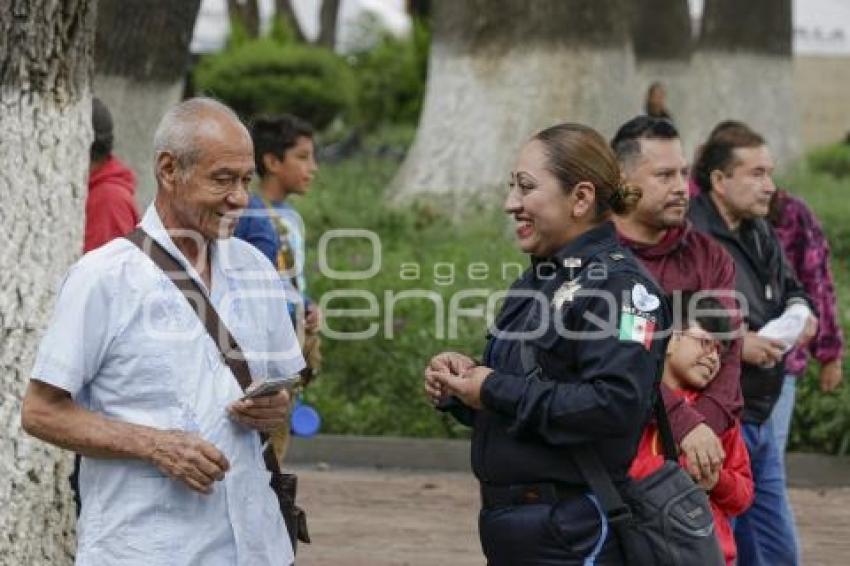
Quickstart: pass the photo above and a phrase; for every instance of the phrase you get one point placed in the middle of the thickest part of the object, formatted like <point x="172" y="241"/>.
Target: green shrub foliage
<point x="391" y="79"/>
<point x="832" y="159"/>
<point x="821" y="421"/>
<point x="266" y="77"/>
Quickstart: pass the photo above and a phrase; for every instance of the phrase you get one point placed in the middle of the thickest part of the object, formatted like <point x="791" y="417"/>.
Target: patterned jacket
<point x="807" y="250"/>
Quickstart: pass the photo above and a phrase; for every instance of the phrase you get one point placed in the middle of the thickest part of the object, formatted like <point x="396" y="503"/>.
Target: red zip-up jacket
<point x="111" y="210"/>
<point x="733" y="493"/>
<point x="688" y="260"/>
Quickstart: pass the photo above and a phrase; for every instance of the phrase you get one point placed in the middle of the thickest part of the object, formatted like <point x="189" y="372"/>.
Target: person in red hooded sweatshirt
<point x="692" y="361"/>
<point x="111" y="210"/>
<point x="681" y="259"/>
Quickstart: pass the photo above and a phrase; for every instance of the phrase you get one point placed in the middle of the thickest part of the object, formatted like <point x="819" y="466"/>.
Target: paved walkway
<point x="393" y="518"/>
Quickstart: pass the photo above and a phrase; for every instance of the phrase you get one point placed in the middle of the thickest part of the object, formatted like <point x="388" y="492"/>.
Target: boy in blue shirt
<point x="284" y="155"/>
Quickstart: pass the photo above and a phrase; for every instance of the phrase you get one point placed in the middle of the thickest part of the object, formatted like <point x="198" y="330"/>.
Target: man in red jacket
<point x="682" y="260"/>
<point x="111" y="210"/>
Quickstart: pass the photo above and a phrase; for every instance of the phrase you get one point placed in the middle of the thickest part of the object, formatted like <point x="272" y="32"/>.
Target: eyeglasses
<point x="707" y="343"/>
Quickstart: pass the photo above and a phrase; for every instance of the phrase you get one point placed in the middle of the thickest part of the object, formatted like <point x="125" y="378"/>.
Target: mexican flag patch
<point x="636" y="328"/>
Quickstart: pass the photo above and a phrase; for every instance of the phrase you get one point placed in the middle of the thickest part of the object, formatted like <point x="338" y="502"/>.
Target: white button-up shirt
<point x="125" y="343"/>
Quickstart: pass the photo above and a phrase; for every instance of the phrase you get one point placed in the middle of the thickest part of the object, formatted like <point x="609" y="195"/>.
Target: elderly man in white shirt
<point x="126" y="375"/>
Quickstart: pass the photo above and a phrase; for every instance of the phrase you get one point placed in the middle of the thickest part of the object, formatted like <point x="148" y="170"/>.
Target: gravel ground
<point x="384" y="518"/>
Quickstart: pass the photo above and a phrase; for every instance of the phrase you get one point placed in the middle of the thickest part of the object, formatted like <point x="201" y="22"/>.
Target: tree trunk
<point x="751" y="39"/>
<point x="419" y="8"/>
<point x="661" y="30"/>
<point x="498" y="71"/>
<point x="757" y="26"/>
<point x="283" y="9"/>
<point x="662" y="37"/>
<point x="45" y="109"/>
<point x="141" y="55"/>
<point x="247" y="13"/>
<point x="328" y="23"/>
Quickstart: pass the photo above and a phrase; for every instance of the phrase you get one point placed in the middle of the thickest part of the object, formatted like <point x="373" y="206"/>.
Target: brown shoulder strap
<point x="231" y="353"/>
<point x="229" y="348"/>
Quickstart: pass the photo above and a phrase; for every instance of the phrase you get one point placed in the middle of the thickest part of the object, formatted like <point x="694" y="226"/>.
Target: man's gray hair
<point x="175" y="133"/>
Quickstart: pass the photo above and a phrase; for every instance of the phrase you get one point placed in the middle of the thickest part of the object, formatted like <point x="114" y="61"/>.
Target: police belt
<point x="544" y="493"/>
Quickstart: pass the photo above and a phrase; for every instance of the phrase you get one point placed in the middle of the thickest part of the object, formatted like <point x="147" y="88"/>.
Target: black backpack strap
<point x="668" y="444"/>
<point x="599" y="480"/>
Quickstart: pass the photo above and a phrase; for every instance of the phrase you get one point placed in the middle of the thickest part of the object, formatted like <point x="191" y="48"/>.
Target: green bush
<point x="832" y="159"/>
<point x="391" y="79"/>
<point x="238" y="36"/>
<point x="821" y="420"/>
<point x="266" y="77"/>
<point x="282" y="32"/>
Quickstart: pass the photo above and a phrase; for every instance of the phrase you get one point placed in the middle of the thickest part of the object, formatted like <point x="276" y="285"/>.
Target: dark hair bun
<point x="624" y="199"/>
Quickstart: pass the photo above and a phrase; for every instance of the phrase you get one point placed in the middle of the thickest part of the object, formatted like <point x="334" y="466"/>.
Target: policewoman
<point x="594" y="321"/>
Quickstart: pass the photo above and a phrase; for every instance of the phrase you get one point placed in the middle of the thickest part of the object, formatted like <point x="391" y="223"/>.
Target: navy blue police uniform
<point x="596" y="322"/>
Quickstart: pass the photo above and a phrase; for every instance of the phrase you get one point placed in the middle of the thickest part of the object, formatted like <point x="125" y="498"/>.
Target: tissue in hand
<point x="788" y="327"/>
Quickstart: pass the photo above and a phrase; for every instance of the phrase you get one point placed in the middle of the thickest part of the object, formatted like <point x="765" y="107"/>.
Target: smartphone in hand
<point x="272" y="387"/>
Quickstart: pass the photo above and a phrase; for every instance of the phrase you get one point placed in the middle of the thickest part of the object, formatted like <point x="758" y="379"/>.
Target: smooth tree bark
<point x="759" y="26"/>
<point x="663" y="42"/>
<point x="45" y="110"/>
<point x="743" y="69"/>
<point x="247" y="13"/>
<point x="419" y="8"/>
<point x="501" y="69"/>
<point x="141" y="62"/>
<point x="661" y="29"/>
<point x="283" y="9"/>
<point x="328" y="17"/>
<point x="328" y="23"/>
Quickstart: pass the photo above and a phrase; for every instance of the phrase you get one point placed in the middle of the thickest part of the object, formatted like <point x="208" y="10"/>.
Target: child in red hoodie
<point x="693" y="359"/>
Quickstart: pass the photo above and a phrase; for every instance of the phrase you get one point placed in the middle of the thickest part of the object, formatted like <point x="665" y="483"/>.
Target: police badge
<point x="565" y="293"/>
